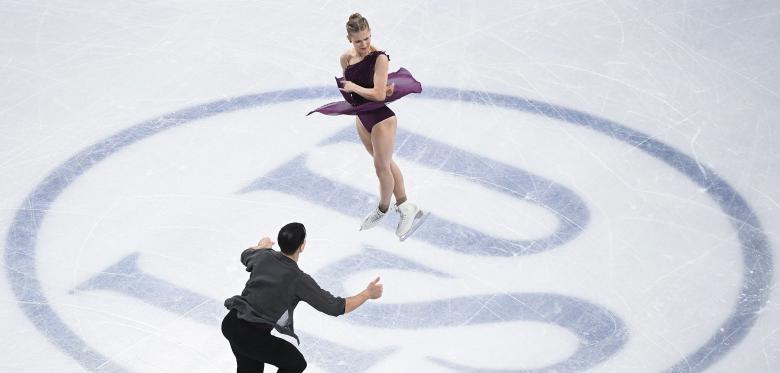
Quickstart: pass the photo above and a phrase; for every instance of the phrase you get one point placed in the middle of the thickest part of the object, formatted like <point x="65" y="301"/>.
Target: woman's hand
<point x="367" y="93"/>
<point x="348" y="87"/>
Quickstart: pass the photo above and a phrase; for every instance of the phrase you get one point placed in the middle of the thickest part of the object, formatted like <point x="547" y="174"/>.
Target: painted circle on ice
<point x="22" y="235"/>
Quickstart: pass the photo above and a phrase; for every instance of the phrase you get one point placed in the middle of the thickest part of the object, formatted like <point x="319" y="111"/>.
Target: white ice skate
<point x="411" y="219"/>
<point x="373" y="218"/>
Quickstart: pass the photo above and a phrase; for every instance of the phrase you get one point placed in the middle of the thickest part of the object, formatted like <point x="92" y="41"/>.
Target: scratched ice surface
<point x="602" y="178"/>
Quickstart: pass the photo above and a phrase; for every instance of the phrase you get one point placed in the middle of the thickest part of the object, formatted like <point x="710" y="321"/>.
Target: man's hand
<point x="374" y="289"/>
<point x="265" y="243"/>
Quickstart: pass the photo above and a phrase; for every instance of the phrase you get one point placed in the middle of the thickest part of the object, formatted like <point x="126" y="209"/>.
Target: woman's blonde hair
<point x="357" y="23"/>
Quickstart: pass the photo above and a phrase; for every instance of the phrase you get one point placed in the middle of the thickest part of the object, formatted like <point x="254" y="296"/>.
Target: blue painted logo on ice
<point x="601" y="332"/>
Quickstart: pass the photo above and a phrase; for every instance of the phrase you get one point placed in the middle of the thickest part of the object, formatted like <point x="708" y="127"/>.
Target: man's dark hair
<point x="291" y="237"/>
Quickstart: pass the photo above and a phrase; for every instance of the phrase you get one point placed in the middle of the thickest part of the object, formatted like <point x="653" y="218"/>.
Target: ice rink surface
<point x="602" y="176"/>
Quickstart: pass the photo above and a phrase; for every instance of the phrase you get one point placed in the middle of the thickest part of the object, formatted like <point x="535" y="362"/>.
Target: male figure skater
<point x="274" y="288"/>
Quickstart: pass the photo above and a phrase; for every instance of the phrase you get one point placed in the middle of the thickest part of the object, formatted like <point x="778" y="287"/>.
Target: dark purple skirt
<point x="404" y="85"/>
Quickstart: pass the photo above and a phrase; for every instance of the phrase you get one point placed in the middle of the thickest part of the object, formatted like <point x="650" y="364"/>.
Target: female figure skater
<point x="366" y="90"/>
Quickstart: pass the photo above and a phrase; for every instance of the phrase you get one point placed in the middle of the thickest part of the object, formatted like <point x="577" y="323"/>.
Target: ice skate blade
<point x="419" y="219"/>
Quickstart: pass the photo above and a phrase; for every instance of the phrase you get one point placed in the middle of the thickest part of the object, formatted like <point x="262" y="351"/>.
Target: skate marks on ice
<point x="601" y="333"/>
<point x="127" y="278"/>
<point x="297" y="179"/>
<point x="21" y="238"/>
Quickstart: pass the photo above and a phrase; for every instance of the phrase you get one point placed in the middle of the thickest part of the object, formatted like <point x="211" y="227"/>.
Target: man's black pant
<point x="254" y="345"/>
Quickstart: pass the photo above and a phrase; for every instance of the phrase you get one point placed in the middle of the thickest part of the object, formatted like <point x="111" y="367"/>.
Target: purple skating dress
<point x="362" y="74"/>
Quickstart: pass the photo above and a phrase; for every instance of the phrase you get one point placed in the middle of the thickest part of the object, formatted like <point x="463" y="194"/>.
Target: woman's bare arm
<point x="344" y="60"/>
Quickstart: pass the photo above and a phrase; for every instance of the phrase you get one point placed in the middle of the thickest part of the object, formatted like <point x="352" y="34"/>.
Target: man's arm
<point x="322" y="300"/>
<point x="265" y="243"/>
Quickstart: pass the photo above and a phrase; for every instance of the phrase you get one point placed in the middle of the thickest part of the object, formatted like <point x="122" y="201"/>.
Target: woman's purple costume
<point x="362" y="74"/>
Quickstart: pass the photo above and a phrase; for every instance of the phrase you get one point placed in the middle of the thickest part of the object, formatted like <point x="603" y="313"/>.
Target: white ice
<point x="602" y="176"/>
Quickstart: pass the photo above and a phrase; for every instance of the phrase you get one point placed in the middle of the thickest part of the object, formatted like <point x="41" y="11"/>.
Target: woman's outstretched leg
<point x="379" y="143"/>
<point x="399" y="189"/>
<point x="383" y="143"/>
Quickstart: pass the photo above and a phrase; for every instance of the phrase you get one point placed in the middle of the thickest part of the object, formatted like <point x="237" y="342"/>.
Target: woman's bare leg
<point x="399" y="190"/>
<point x="383" y="142"/>
<point x="386" y="142"/>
